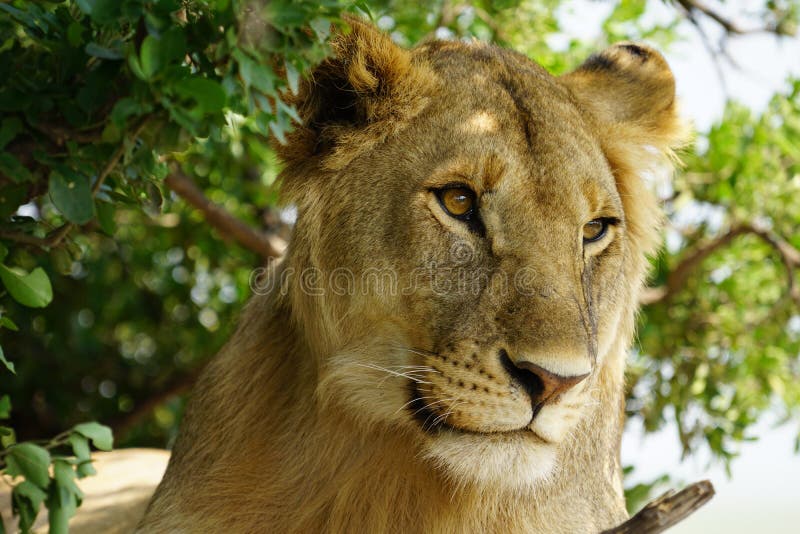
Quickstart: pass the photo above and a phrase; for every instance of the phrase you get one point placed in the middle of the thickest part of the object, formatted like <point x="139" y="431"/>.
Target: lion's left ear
<point x="629" y="90"/>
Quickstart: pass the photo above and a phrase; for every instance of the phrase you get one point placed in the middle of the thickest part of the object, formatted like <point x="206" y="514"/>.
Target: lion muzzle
<point x="542" y="386"/>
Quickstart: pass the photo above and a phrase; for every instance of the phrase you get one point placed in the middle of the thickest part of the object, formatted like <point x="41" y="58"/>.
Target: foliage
<point x="48" y="470"/>
<point x="103" y="101"/>
<point x="98" y="99"/>
<point x="724" y="350"/>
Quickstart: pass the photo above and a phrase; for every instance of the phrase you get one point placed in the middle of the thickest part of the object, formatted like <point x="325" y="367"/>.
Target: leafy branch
<point x="691" y="261"/>
<point x="47" y="470"/>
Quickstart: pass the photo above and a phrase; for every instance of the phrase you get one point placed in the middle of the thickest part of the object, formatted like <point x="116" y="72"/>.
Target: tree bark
<point x="667" y="510"/>
<point x="229" y="226"/>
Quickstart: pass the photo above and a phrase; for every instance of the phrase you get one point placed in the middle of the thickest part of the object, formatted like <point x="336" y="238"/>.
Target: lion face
<point x="476" y="232"/>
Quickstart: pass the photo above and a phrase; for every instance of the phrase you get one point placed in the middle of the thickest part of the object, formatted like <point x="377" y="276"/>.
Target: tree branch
<point x="51" y="240"/>
<point x="790" y="257"/>
<point x="229" y="226"/>
<point x="667" y="510"/>
<point x="730" y="27"/>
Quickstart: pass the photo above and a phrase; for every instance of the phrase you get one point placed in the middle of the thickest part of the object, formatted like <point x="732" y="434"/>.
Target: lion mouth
<point x="432" y="423"/>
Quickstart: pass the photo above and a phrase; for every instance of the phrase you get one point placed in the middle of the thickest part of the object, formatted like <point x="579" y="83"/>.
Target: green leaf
<point x="208" y="94"/>
<point x="32" y="290"/>
<point x="9" y="365"/>
<point x="11" y="198"/>
<point x="103" y="52"/>
<point x="99" y="434"/>
<point x="173" y="44"/>
<point x="64" y="476"/>
<point x="136" y="67"/>
<point x="5" y="322"/>
<point x="322" y="27"/>
<point x="71" y="194"/>
<point x="292" y="77"/>
<point x="64" y="498"/>
<point x="255" y="74"/>
<point x="5" y="407"/>
<point x="26" y="499"/>
<point x="80" y="446"/>
<point x="75" y="34"/>
<point x="31" y="461"/>
<point x="101" y="11"/>
<point x="150" y="56"/>
<point x="85" y="469"/>
<point x="105" y="217"/>
<point x="124" y="108"/>
<point x="7" y="438"/>
<point x="9" y="129"/>
<point x="13" y="169"/>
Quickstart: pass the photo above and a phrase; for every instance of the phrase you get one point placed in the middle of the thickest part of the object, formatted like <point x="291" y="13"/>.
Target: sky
<point x="763" y="493"/>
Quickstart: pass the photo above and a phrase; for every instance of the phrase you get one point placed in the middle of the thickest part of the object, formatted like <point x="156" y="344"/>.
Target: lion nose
<point x="542" y="385"/>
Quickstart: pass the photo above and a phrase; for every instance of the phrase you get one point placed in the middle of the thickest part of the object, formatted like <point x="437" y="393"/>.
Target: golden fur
<point x="386" y="309"/>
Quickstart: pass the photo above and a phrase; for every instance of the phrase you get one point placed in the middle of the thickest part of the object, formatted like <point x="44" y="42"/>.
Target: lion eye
<point x="595" y="230"/>
<point x="458" y="202"/>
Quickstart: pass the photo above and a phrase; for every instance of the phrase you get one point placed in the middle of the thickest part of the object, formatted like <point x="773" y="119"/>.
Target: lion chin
<point x="517" y="461"/>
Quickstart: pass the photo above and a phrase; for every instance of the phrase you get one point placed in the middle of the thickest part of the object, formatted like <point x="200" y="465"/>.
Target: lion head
<point x="471" y="240"/>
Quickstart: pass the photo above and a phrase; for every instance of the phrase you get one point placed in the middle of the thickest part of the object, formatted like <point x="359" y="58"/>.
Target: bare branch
<point x="790" y="257"/>
<point x="229" y="226"/>
<point x="713" y="53"/>
<point x="730" y="27"/>
<point x="667" y="510"/>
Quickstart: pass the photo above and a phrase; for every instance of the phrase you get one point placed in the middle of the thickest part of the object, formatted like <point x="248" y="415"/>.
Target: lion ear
<point x="367" y="88"/>
<point x="630" y="91"/>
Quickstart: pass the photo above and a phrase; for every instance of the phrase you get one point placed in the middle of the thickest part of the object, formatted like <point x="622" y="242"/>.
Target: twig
<point x="59" y="134"/>
<point x="790" y="257"/>
<point x="228" y="225"/>
<point x="486" y="18"/>
<point x="712" y="52"/>
<point x="728" y="25"/>
<point x="115" y="157"/>
<point x="55" y="237"/>
<point x="667" y="510"/>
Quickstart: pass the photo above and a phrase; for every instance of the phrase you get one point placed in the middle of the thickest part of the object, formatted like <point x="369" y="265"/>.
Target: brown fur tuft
<point x="368" y="90"/>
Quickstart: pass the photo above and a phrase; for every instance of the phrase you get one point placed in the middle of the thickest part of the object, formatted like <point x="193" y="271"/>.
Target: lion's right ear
<point x="365" y="91"/>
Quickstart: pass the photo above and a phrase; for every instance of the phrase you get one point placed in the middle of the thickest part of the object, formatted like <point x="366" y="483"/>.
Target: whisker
<point x="393" y="373"/>
<point x="415" y="399"/>
<point x="431" y="404"/>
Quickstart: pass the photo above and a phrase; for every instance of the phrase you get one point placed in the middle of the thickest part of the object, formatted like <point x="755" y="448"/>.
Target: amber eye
<point x="595" y="230"/>
<point x="457" y="201"/>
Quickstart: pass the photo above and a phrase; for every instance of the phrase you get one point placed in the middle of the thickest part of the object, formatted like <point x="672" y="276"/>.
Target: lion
<point x="442" y="348"/>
